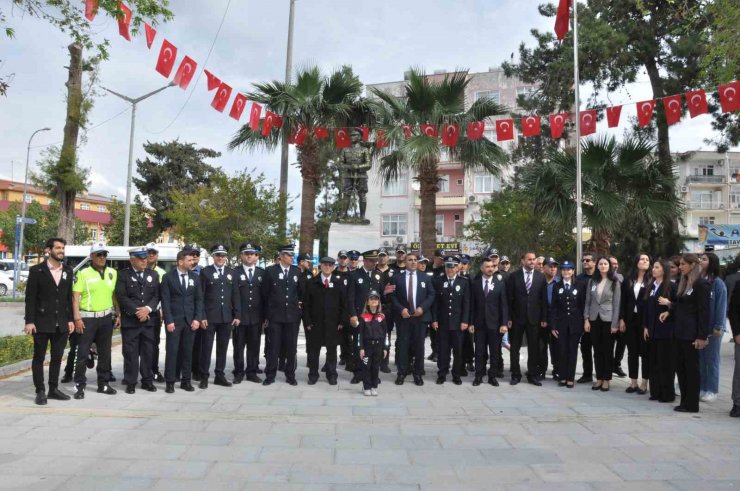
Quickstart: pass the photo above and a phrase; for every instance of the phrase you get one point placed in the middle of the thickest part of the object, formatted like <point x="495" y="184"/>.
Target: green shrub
<point x="15" y="348"/>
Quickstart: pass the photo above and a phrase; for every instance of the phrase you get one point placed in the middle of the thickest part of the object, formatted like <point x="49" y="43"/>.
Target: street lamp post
<point x="19" y="242"/>
<point x="283" y="189"/>
<point x="133" y="102"/>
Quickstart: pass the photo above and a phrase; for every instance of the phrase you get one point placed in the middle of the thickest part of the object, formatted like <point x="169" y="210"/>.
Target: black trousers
<point x="314" y="352"/>
<point x="661" y="370"/>
<point x="41" y="340"/>
<point x="197" y="348"/>
<point x="587" y="355"/>
<point x="450" y="340"/>
<point x="567" y="355"/>
<point x="603" y="342"/>
<point x="536" y="343"/>
<point x="487" y="346"/>
<point x="157" y="333"/>
<point x="246" y="338"/>
<point x="620" y="343"/>
<point x="434" y="340"/>
<point x="410" y="335"/>
<point x="637" y="348"/>
<point x="283" y="338"/>
<point x="686" y="359"/>
<point x="69" y="367"/>
<point x="179" y="346"/>
<point x="138" y="347"/>
<point x="468" y="347"/>
<point x="371" y="363"/>
<point x="554" y="347"/>
<point x="98" y="330"/>
<point x="222" y="334"/>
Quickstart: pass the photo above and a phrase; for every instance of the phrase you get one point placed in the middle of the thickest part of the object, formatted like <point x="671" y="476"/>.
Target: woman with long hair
<point x="631" y="322"/>
<point x="691" y="330"/>
<point x="709" y="356"/>
<point x="602" y="319"/>
<point x="660" y="294"/>
<point x="674" y="261"/>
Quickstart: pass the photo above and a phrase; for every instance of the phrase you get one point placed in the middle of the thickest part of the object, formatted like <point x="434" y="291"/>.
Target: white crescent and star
<point x="167" y="54"/>
<point x="727" y="91"/>
<point x="558" y="119"/>
<point x="695" y="96"/>
<point x="587" y="119"/>
<point x="504" y="125"/>
<point x="646" y="108"/>
<point x="673" y="102"/>
<point x="530" y="121"/>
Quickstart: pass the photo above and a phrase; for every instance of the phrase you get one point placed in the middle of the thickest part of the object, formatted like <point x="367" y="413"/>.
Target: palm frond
<point x="420" y="93"/>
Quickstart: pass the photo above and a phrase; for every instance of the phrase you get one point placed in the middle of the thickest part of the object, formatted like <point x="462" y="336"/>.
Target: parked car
<point x="8" y="266"/>
<point x="6" y="282"/>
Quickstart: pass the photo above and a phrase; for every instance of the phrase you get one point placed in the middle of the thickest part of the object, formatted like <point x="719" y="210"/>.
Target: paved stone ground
<point x="324" y="437"/>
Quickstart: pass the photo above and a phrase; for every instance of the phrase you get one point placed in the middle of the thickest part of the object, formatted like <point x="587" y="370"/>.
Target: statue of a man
<point x="354" y="163"/>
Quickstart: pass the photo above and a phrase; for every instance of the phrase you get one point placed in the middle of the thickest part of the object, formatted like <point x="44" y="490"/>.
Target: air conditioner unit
<point x="386" y="243"/>
<point x="721" y="205"/>
<point x="684" y="189"/>
<point x="472" y="198"/>
<point x="721" y="162"/>
<point x="399" y="240"/>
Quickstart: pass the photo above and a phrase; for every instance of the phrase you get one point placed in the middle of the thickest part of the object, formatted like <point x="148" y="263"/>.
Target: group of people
<point x="668" y="315"/>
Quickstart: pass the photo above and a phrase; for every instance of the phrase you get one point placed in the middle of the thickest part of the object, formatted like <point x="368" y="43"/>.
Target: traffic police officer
<point x="151" y="261"/>
<point x="93" y="302"/>
<point x="248" y="334"/>
<point x="221" y="307"/>
<point x="451" y="317"/>
<point x="566" y="312"/>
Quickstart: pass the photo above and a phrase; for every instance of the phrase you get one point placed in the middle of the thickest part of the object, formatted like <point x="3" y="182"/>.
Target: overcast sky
<point x="380" y="39"/>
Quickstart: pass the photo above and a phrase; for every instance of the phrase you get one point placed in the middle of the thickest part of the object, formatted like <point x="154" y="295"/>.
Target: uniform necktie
<point x="326" y="282"/>
<point x="141" y="275"/>
<point x="528" y="281"/>
<point x="485" y="287"/>
<point x="250" y="274"/>
<point x="285" y="273"/>
<point x="220" y="271"/>
<point x="411" y="292"/>
<point x="182" y="281"/>
<point x="567" y="287"/>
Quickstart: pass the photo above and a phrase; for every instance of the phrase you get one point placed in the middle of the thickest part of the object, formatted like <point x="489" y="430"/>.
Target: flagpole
<point x="579" y="197"/>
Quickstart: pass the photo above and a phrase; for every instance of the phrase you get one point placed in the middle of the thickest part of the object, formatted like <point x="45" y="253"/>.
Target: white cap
<point x="98" y="247"/>
<point x="151" y="246"/>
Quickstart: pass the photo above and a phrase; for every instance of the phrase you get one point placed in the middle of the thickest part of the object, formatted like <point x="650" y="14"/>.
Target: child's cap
<point x="373" y="293"/>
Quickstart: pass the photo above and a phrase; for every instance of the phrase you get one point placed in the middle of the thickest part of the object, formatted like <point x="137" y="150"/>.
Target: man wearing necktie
<point x="248" y="334"/>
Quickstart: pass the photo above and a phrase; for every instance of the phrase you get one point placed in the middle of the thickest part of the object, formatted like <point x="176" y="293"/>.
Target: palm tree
<point x="314" y="100"/>
<point x="426" y="101"/>
<point x="620" y="182"/>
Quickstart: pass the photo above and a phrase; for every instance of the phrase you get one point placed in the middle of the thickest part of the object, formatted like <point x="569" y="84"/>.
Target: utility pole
<point x="283" y="218"/>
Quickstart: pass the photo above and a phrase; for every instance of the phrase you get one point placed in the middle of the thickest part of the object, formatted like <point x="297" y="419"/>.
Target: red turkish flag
<point x="697" y="102"/>
<point x="298" y="136"/>
<point x="562" y="19"/>
<point x="185" y="73"/>
<point x="341" y="138"/>
<point x="278" y="122"/>
<point x="269" y="122"/>
<point x="124" y="21"/>
<point x="221" y="98"/>
<point x="588" y="122"/>
<point x="672" y="106"/>
<point x="450" y="134"/>
<point x="729" y="97"/>
<point x="429" y="130"/>
<point x="254" y="116"/>
<point x="612" y="116"/>
<point x="166" y="60"/>
<point x="406" y="131"/>
<point x="320" y="132"/>
<point x="238" y="106"/>
<point x="151" y="33"/>
<point x="531" y="125"/>
<point x="91" y="9"/>
<point x="212" y="80"/>
<point x="557" y="124"/>
<point x="365" y="133"/>
<point x="645" y="112"/>
<point x="475" y="130"/>
<point x="380" y="139"/>
<point x="505" y="129"/>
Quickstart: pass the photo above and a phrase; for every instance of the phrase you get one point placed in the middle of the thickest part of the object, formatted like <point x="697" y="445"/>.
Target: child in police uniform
<point x="372" y="342"/>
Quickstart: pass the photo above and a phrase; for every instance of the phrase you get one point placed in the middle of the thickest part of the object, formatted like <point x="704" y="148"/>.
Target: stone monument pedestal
<point x="349" y="236"/>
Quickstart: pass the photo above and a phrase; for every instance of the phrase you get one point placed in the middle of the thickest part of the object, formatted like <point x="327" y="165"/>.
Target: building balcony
<point x="705" y="179"/>
<point x="446" y="202"/>
<point x="704" y="205"/>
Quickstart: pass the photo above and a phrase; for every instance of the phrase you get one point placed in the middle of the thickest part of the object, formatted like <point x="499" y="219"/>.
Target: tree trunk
<point x="68" y="154"/>
<point x="308" y="158"/>
<point x="600" y="243"/>
<point x="428" y="187"/>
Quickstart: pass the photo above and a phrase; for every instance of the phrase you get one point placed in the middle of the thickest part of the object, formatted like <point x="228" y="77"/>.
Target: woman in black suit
<point x="659" y="295"/>
<point x="601" y="315"/>
<point x="691" y="311"/>
<point x="631" y="323"/>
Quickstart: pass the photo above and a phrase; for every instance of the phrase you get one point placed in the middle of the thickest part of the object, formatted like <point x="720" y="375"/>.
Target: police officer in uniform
<point x="566" y="312"/>
<point x="386" y="278"/>
<point x="138" y="295"/>
<point x="345" y="341"/>
<point x="221" y="307"/>
<point x="305" y="264"/>
<point x="468" y="353"/>
<point x="451" y="318"/>
<point x="282" y="294"/>
<point x="248" y="334"/>
<point x="151" y="260"/>
<point x="362" y="280"/>
<point x="93" y="302"/>
<point x="354" y="259"/>
<point x="400" y="264"/>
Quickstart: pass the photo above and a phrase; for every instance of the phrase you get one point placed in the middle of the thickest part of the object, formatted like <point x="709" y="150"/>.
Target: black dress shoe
<point x="342" y="362"/>
<point x="441" y="380"/>
<point x="735" y="412"/>
<point x="464" y="372"/>
<point x="80" y="394"/>
<point x="196" y="376"/>
<point x="641" y="392"/>
<point x="457" y="380"/>
<point x="477" y="381"/>
<point x="515" y="380"/>
<point x="570" y="386"/>
<point x="493" y="381"/>
<point x="203" y="384"/>
<point x="268" y="382"/>
<point x="40" y="398"/>
<point x="187" y="387"/>
<point x="148" y="386"/>
<point x="67" y="378"/>
<point x="109" y="391"/>
<point x="534" y="381"/>
<point x="57" y="394"/>
<point x="653" y="398"/>
<point x="130" y="389"/>
<point x="431" y="357"/>
<point x="470" y="367"/>
<point x="385" y="369"/>
<point x="561" y="383"/>
<point x="170" y="388"/>
<point x="585" y="379"/>
<point x="253" y="378"/>
<point x="221" y="381"/>
<point x="418" y="380"/>
<point x="681" y="409"/>
<point x="291" y="381"/>
<point x="260" y="371"/>
<point x="399" y="379"/>
<point x="238" y="379"/>
<point x="158" y="377"/>
<point x="312" y="380"/>
<point x="556" y="377"/>
<point x="619" y="372"/>
<point x="356" y="380"/>
<point x="630" y="390"/>
<point x="332" y="380"/>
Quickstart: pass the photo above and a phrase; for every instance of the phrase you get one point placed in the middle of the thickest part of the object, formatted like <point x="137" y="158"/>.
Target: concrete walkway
<point x="323" y="437"/>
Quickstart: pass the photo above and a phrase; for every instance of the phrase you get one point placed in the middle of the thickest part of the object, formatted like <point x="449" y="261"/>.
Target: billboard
<point x="724" y="235"/>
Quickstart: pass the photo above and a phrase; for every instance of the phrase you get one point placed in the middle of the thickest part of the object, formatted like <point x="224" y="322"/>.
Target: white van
<point x="8" y="265"/>
<point x="78" y="256"/>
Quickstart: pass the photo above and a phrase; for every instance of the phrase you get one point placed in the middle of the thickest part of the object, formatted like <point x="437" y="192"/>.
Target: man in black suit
<point x="248" y="333"/>
<point x="221" y="307"/>
<point x="587" y="352"/>
<point x="182" y="306"/>
<point x="451" y="318"/>
<point x="412" y="302"/>
<point x="49" y="317"/>
<point x="526" y="290"/>
<point x="138" y="294"/>
<point x="282" y="296"/>
<point x="489" y="319"/>
<point x="345" y="342"/>
<point x="361" y="281"/>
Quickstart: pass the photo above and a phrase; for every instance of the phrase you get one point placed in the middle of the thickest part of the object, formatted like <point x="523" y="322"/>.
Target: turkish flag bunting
<point x="298" y="136"/>
<point x="505" y="129"/>
<point x="212" y="80"/>
<point x="562" y="19"/>
<point x="588" y="122"/>
<point x="185" y="73"/>
<point x="697" y="102"/>
<point x="91" y="9"/>
<point x="645" y="112"/>
<point x="321" y="132"/>
<point x="475" y="130"/>
<point x="124" y="21"/>
<point x="380" y="139"/>
<point x="429" y="130"/>
<point x="151" y="33"/>
<point x="365" y="133"/>
<point x="254" y="116"/>
<point x="612" y="116"/>
<point x="269" y="122"/>
<point x="557" y="124"/>
<point x="531" y="125"/>
<point x="278" y="122"/>
<point x="240" y="100"/>
<point x="729" y="97"/>
<point x="406" y="131"/>
<point x="672" y="106"/>
<point x="341" y="138"/>
<point x="450" y="134"/>
<point x="166" y="60"/>
<point x="221" y="98"/>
